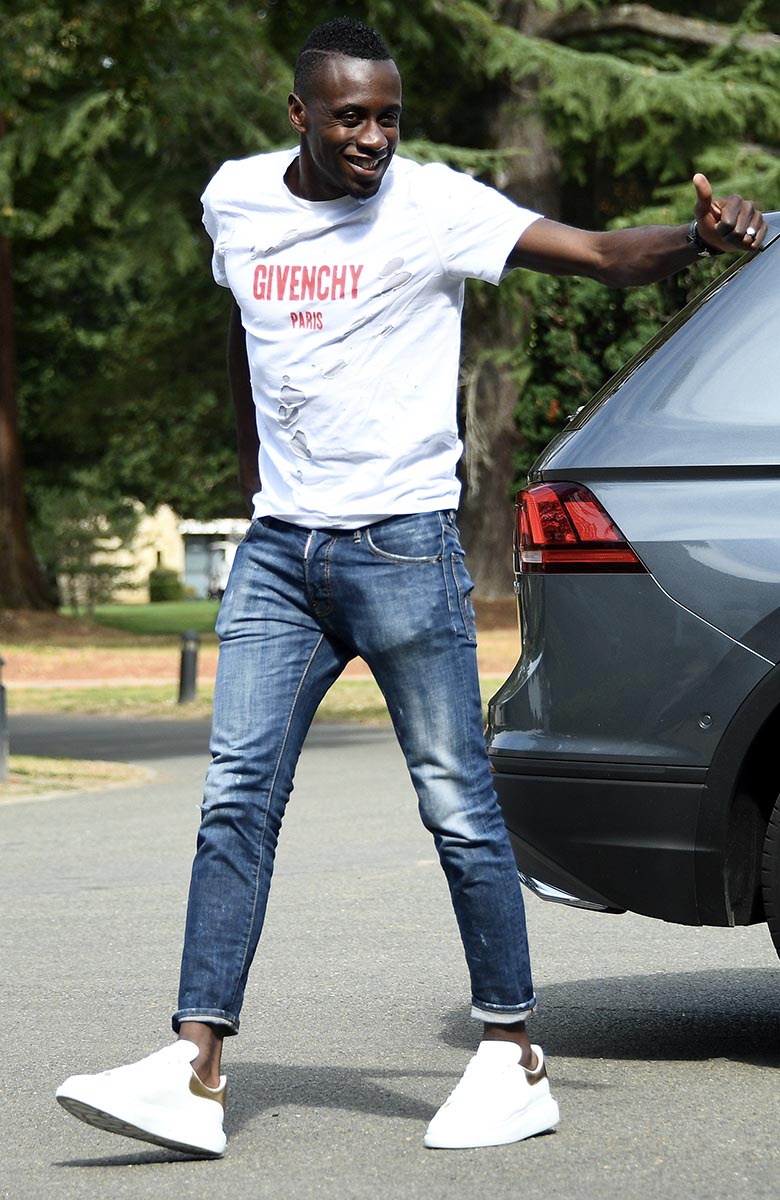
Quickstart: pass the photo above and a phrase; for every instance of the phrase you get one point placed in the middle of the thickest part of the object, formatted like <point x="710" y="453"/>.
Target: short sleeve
<point x="475" y="227"/>
<point x="211" y="220"/>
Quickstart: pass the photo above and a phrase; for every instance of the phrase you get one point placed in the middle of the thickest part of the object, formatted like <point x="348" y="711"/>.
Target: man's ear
<point x="297" y="113"/>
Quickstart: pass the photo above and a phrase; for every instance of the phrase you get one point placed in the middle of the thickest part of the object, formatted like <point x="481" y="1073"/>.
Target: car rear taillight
<point x="561" y="527"/>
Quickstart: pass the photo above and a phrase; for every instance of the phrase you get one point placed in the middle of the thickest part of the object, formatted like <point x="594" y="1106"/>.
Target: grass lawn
<point x="131" y="700"/>
<point x="348" y="700"/>
<point x="30" y="777"/>
<point x="165" y="618"/>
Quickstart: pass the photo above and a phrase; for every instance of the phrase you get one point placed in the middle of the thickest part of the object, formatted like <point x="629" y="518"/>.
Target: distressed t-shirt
<point x="352" y="312"/>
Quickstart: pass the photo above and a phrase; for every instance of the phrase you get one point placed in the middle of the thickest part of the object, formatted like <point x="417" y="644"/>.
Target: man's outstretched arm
<point x="626" y="257"/>
<point x="243" y="406"/>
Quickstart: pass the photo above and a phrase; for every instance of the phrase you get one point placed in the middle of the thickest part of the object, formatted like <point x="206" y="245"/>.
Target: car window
<point x="705" y="391"/>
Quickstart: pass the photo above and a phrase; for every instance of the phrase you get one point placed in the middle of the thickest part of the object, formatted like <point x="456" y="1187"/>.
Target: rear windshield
<point x="706" y="390"/>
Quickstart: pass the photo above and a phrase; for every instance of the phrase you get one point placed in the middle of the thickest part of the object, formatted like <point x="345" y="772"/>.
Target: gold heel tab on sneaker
<point x="198" y="1088"/>
<point x="539" y="1072"/>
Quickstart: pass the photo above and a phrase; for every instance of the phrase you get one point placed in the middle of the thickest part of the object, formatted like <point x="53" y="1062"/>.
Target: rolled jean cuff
<point x="502" y="1016"/>
<point x="206" y="1016"/>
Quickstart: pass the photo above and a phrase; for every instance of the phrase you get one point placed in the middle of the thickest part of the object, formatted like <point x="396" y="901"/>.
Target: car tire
<point x="770" y="875"/>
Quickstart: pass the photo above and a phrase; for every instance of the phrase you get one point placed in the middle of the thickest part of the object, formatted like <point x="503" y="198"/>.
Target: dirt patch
<point x="93" y="665"/>
<point x="98" y="666"/>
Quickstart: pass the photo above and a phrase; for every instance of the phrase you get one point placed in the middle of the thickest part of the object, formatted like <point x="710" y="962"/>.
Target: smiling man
<point x="347" y="113"/>
<point x="347" y="264"/>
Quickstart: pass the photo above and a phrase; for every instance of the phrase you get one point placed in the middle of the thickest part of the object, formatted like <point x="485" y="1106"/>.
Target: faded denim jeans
<point x="299" y="605"/>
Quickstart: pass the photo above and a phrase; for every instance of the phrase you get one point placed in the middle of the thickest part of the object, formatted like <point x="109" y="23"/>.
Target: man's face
<point x="349" y="128"/>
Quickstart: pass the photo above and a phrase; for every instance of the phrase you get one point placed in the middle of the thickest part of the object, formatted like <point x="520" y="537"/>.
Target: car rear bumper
<point x="612" y="835"/>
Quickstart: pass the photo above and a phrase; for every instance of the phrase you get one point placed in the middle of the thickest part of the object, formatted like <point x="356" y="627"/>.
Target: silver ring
<point x="750" y="232"/>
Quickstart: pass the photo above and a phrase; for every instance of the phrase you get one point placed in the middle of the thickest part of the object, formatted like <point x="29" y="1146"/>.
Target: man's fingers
<point x="741" y="225"/>
<point x="749" y="228"/>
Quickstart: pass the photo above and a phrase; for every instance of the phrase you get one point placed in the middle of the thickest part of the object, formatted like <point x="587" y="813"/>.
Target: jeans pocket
<point x="464" y="586"/>
<point x="412" y="539"/>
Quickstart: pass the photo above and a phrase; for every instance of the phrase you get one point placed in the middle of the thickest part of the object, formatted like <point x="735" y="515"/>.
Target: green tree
<point x="21" y="581"/>
<point x="77" y="532"/>
<point x="117" y="115"/>
<point x="114" y="119"/>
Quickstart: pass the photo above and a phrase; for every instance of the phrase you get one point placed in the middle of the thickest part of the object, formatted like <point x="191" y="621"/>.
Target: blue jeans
<point x="299" y="605"/>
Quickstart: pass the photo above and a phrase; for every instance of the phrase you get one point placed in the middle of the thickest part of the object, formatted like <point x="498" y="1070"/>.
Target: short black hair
<point x="342" y="35"/>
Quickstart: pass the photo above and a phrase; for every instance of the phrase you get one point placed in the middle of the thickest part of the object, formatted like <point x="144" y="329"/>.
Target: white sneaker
<point x="497" y="1101"/>
<point x="159" y="1099"/>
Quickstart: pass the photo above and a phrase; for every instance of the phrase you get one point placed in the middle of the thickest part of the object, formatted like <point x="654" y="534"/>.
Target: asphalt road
<point x="662" y="1041"/>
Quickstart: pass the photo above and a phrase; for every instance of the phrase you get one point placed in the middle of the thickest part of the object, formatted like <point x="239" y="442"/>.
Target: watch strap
<point x="696" y="241"/>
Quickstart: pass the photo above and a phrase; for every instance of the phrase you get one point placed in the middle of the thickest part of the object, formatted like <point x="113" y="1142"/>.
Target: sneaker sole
<point x="541" y="1118"/>
<point x="112" y="1124"/>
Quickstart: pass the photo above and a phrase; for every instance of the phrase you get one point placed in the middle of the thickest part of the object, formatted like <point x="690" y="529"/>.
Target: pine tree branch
<point x="641" y="18"/>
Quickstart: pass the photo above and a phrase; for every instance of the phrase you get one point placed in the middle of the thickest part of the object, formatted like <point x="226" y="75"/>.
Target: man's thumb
<point x="703" y="191"/>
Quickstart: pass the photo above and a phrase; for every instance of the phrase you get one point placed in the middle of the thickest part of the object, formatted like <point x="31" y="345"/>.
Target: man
<point x="347" y="267"/>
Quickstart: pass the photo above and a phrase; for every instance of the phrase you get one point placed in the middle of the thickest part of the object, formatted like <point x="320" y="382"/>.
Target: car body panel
<point x="618" y="739"/>
<point x="712" y="543"/>
<point x="590" y="694"/>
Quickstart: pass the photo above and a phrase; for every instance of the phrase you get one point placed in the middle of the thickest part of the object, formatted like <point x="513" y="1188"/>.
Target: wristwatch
<point x="697" y="243"/>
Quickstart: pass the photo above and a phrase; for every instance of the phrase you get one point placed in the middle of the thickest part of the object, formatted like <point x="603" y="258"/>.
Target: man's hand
<point x="730" y="224"/>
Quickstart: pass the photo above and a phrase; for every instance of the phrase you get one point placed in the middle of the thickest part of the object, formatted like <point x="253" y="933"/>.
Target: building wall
<point x="158" y="535"/>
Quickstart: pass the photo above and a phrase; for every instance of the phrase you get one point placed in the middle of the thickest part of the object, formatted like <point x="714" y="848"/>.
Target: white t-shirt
<point x="352" y="312"/>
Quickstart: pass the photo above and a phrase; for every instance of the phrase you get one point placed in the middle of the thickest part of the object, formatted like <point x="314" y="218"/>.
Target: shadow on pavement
<point x="167" y="1157"/>
<point x="127" y="739"/>
<point x="266" y="1087"/>
<point x="679" y="1016"/>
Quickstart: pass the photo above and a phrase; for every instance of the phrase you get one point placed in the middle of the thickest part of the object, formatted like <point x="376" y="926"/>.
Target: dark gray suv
<point x="636" y="744"/>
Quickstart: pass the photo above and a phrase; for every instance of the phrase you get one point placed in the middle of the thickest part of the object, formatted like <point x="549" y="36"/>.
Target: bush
<point x="164" y="584"/>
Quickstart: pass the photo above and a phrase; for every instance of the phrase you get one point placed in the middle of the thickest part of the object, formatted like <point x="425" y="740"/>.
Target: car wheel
<point x="770" y="875"/>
